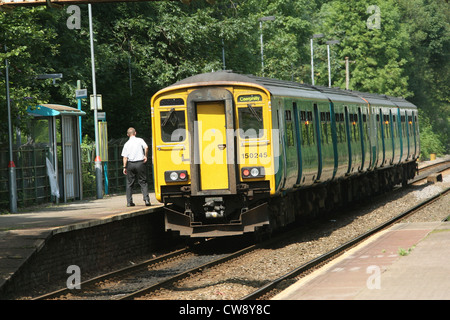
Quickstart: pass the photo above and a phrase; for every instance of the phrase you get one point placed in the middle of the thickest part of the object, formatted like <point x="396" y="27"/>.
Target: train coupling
<point x="214" y="208"/>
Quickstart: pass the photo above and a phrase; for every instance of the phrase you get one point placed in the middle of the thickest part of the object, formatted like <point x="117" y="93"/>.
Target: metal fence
<point x="31" y="176"/>
<point x="33" y="185"/>
<point x="114" y="181"/>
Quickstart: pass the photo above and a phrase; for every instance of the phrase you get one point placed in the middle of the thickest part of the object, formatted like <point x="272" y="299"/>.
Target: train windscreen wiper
<point x="253" y="111"/>
<point x="168" y="117"/>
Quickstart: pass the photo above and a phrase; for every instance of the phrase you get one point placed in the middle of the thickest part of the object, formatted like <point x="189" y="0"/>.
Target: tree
<point x="29" y="48"/>
<point x="428" y="27"/>
<point x="380" y="49"/>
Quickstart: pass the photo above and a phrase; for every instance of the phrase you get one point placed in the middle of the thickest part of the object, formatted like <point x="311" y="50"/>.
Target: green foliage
<point x="379" y="54"/>
<point x="144" y="46"/>
<point x="430" y="141"/>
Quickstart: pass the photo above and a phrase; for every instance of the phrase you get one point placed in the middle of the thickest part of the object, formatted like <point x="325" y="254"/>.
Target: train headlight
<point x="252" y="172"/>
<point x="176" y="176"/>
<point x="173" y="176"/>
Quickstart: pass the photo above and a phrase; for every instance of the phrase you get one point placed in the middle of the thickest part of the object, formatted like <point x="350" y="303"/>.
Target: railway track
<point x="128" y="282"/>
<point x="95" y="288"/>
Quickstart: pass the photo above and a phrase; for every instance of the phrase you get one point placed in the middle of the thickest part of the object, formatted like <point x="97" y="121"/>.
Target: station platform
<point x="409" y="261"/>
<point x="25" y="232"/>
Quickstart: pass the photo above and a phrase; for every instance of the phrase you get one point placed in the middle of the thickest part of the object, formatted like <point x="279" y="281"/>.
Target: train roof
<point x="275" y="87"/>
<point x="336" y="94"/>
<point x="294" y="89"/>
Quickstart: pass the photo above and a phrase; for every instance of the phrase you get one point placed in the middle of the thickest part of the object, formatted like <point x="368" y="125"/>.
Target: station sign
<point x="81" y="93"/>
<point x="99" y="102"/>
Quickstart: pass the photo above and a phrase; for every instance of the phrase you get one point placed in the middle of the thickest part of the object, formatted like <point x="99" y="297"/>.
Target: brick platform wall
<point x="92" y="249"/>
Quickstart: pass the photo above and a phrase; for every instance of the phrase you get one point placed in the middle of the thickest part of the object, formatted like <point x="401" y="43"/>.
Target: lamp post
<point x="319" y="35"/>
<point x="11" y="165"/>
<point x="328" y="55"/>
<point x="98" y="161"/>
<point x="267" y="18"/>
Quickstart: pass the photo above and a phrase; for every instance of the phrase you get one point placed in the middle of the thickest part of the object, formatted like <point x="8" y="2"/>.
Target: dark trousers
<point x="136" y="170"/>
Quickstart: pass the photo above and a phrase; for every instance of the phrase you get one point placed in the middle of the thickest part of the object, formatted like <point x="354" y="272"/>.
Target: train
<point x="235" y="154"/>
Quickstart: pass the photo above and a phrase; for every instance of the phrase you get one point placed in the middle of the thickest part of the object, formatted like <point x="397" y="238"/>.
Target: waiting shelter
<point x="56" y="127"/>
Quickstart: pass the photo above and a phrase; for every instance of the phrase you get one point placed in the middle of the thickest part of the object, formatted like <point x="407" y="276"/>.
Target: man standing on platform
<point x="134" y="155"/>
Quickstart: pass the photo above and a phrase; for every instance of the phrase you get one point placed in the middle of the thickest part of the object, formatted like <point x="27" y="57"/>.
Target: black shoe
<point x="131" y="204"/>
<point x="147" y="203"/>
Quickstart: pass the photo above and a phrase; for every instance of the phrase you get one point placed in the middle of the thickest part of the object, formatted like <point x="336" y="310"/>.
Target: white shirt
<point x="134" y="149"/>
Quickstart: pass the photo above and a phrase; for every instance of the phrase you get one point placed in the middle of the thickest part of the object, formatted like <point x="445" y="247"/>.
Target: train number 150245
<point x="254" y="155"/>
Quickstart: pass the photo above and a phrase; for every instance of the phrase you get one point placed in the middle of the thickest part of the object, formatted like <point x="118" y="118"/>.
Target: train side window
<point x="251" y="122"/>
<point x="302" y="115"/>
<point x="173" y="126"/>
<point x="395" y="126"/>
<point x="355" y="128"/>
<point x="387" y="127"/>
<point x="289" y="129"/>
<point x="325" y="118"/>
<point x="410" y="126"/>
<point x="340" y="130"/>
<point x="307" y="129"/>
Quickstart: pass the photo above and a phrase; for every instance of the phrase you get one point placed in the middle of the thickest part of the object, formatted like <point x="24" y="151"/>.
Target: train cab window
<point x="173" y="125"/>
<point x="251" y="122"/>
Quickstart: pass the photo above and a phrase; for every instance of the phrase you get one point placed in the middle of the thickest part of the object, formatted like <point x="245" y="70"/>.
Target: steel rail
<point x="189" y="272"/>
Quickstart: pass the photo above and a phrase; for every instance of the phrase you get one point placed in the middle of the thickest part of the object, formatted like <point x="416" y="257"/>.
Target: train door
<point x="319" y="143"/>
<point x="373" y="128"/>
<point x="380" y="120"/>
<point x="361" y="119"/>
<point x="211" y="133"/>
<point x="211" y="124"/>
<point x="396" y="135"/>
<point x="349" y="139"/>
<point x="309" y="163"/>
<point x="298" y="139"/>
<point x="405" y="135"/>
<point x="415" y="133"/>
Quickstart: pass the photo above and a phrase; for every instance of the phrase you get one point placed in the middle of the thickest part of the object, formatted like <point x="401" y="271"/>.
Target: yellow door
<point x="211" y="124"/>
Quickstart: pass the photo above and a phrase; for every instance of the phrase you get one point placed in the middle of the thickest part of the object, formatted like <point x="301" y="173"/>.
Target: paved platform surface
<point x="409" y="261"/>
<point x="24" y="232"/>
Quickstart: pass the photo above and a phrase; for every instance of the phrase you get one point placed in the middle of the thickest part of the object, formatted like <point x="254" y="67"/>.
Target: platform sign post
<point x="80" y="94"/>
<point x="103" y="139"/>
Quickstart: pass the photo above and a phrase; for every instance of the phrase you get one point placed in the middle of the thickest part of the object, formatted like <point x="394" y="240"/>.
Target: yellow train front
<point x="212" y="151"/>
